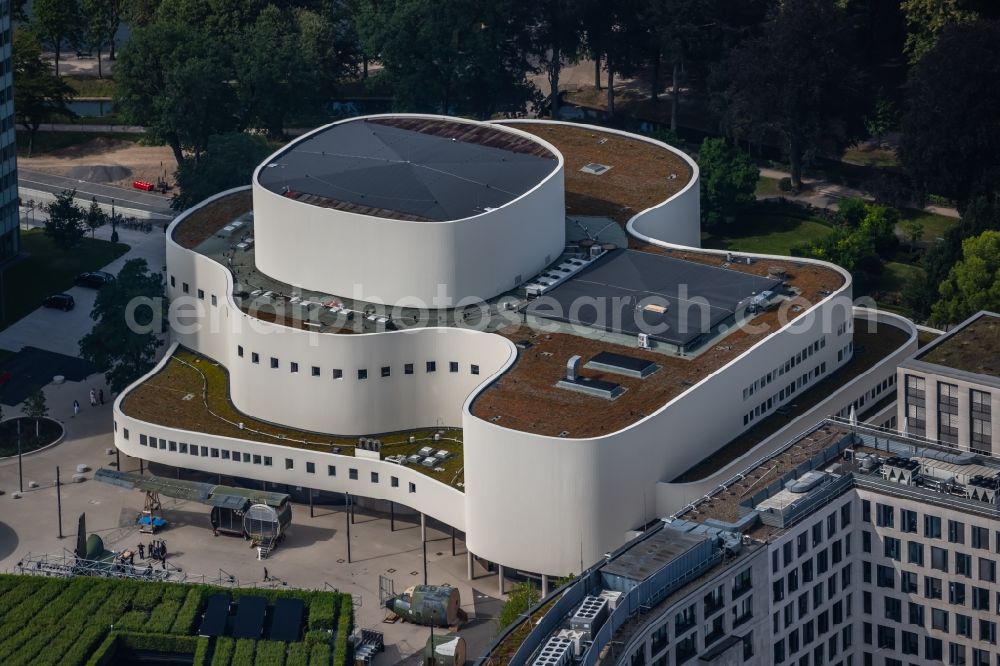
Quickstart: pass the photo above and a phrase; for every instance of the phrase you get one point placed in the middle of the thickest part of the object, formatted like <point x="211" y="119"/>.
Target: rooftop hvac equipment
<point x="983" y="488"/>
<point x="613" y="597"/>
<point x="759" y="302"/>
<point x="643" y="340"/>
<point x="442" y="454"/>
<point x="399" y="460"/>
<point x="437" y="436"/>
<point x="590" y="616"/>
<point x="429" y="461"/>
<point x="414" y="459"/>
<point x="866" y="462"/>
<point x="556" y="652"/>
<point x="901" y="470"/>
<point x="807" y="482"/>
<point x="578" y="638"/>
<point x="596" y="251"/>
<point x="426" y="451"/>
<point x="573" y="368"/>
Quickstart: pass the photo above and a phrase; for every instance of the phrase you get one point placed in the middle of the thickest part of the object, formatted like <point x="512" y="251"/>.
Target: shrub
<point x="201" y="652"/>
<point x="81" y="647"/>
<point x="243" y="654"/>
<point x="147" y="596"/>
<point x="323" y="612"/>
<point x="188" y="614"/>
<point x="133" y="620"/>
<point x="270" y="653"/>
<point x="160" y="642"/>
<point x="320" y="656"/>
<point x="105" y="652"/>
<point x="162" y="618"/>
<point x="298" y="655"/>
<point x="223" y="651"/>
<point x="785" y="184"/>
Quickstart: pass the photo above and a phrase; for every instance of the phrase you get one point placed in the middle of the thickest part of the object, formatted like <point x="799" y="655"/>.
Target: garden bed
<point x="48" y="432"/>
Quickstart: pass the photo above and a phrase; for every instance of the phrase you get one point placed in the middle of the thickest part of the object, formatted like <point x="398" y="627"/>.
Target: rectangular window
<point x="939" y="559"/>
<point x="374" y="477"/>
<point x="407" y="368"/>
<point x="932" y="527"/>
<point x="315" y="371"/>
<point x="413" y="487"/>
<point x="274" y="362"/>
<point x="474" y="369"/>
<point x="201" y="294"/>
<point x="225" y="452"/>
<point x="239" y="350"/>
<point x="363" y="373"/>
<point x="256" y="459"/>
<point x="394" y="481"/>
<point x="254" y="357"/>
<point x="385" y="371"/>
<point x="453" y="366"/>
<point x="884" y="515"/>
<point x="124" y="432"/>
<point x="186" y="288"/>
<point x="267" y="461"/>
<point x="352" y="473"/>
<point x="310" y="468"/>
<point x="331" y="470"/>
<point x="173" y="281"/>
<point x="908" y="521"/>
<point x="431" y="366"/>
<point x="289" y="463"/>
<point x="956" y="532"/>
<point x="213" y="452"/>
<point x="172" y="446"/>
<point x="142" y="440"/>
<point x="293" y="366"/>
<point x="215" y="301"/>
<point x="338" y="373"/>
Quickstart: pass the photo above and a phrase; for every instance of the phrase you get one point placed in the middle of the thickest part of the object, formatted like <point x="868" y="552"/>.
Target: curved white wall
<point x="677" y="219"/>
<point x="365" y="257"/>
<point x="346" y="406"/>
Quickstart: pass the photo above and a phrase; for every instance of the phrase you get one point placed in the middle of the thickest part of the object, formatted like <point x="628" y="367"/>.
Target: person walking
<point x="76" y="407"/>
<point x="100" y="396"/>
<point x="142" y="552"/>
<point x="93" y="398"/>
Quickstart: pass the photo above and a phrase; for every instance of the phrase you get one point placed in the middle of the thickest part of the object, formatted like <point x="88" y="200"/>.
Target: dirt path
<point x="106" y="160"/>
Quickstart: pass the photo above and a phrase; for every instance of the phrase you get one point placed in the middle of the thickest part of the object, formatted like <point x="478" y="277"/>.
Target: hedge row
<point x="270" y="653"/>
<point x="243" y="654"/>
<point x="162" y="618"/>
<point x="298" y="655"/>
<point x="76" y="636"/>
<point x="105" y="653"/>
<point x="223" y="651"/>
<point x="189" y="612"/>
<point x="30" y="637"/>
<point x="202" y="653"/>
<point x="57" y="626"/>
<point x="320" y="655"/>
<point x="341" y="652"/>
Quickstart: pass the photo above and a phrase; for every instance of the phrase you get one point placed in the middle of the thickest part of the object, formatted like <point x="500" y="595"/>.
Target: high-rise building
<point x="8" y="141"/>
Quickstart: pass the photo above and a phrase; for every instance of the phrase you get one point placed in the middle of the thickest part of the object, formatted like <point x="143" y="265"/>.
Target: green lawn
<point x="765" y="232"/>
<point x="895" y="275"/>
<point x="934" y="225"/>
<point x="47" y="270"/>
<point x="875" y="157"/>
<point x="91" y="86"/>
<point x="49" y="142"/>
<point x="768" y="187"/>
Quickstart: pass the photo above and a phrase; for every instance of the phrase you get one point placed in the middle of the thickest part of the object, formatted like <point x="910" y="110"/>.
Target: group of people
<point x="156" y="550"/>
<point x="96" y="398"/>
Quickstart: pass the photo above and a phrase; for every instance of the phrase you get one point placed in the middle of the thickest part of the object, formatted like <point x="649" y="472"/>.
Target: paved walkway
<point x="823" y="194"/>
<point x="60" y="331"/>
<point x="36" y="184"/>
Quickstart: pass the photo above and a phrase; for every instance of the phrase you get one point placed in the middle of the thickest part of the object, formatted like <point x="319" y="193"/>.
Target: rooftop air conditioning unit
<point x="557" y="651"/>
<point x="577" y="638"/>
<point x="643" y="341"/>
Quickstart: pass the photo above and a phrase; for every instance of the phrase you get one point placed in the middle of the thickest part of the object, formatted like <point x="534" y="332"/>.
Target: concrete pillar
<point x="423" y="528"/>
<point x="500" y="578"/>
<point x="545" y="585"/>
<point x="469" y="562"/>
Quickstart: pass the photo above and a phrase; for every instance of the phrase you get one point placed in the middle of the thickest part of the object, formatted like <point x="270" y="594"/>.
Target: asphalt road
<point x="148" y="202"/>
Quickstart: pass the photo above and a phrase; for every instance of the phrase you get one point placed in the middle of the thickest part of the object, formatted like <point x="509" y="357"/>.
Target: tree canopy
<point x="228" y="162"/>
<point x="973" y="284"/>
<point x="39" y="96"/>
<point x="59" y="22"/>
<point x="951" y="136"/>
<point x="128" y="315"/>
<point x="66" y="220"/>
<point x="797" y="82"/>
<point x="728" y="178"/>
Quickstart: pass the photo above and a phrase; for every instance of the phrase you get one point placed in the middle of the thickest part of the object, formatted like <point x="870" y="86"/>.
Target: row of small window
<point x="786" y="367"/>
<point x="845" y="352"/>
<point x="812" y="568"/>
<point x="338" y="373"/>
<point x="845" y="327"/>
<point x="767" y="405"/>
<point x="892" y="609"/>
<point x="822" y="591"/>
<point x="785" y="619"/>
<point x="979" y="597"/>
<point x="828" y="649"/>
<point x="255" y="459"/>
<point x="892" y="549"/>
<point x="714" y="628"/>
<point x="885" y="516"/>
<point x="186" y="288"/>
<point x="814" y="534"/>
<point x="884" y="638"/>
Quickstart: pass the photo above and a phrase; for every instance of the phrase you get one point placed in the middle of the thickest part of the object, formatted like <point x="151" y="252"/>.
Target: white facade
<point x="541" y="504"/>
<point x="411" y="263"/>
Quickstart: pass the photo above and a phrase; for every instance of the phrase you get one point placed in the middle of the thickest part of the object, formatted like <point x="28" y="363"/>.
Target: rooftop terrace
<point x="974" y="347"/>
<point x="419" y="169"/>
<point x="191" y="392"/>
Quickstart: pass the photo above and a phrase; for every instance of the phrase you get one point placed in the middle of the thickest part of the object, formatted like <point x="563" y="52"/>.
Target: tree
<point x="679" y="30"/>
<point x="914" y="230"/>
<point x="329" y="44"/>
<point x="795" y="83"/>
<point x="39" y="96"/>
<point x="881" y="119"/>
<point x="228" y="162"/>
<point x="103" y="19"/>
<point x="175" y="81"/>
<point x="58" y="22"/>
<point x="519" y="601"/>
<point x="728" y="180"/>
<point x="973" y="284"/>
<point x="96" y="217"/>
<point x="273" y="76"/>
<point x="34" y="407"/>
<point x="926" y="19"/>
<point x="129" y="314"/>
<point x="460" y="57"/>
<point x="556" y="36"/>
<point x="950" y="135"/>
<point x="66" y="221"/>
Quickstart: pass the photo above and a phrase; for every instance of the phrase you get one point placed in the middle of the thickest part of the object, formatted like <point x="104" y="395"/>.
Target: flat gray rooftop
<point x="622" y="293"/>
<point x="650" y="555"/>
<point x="409" y="168"/>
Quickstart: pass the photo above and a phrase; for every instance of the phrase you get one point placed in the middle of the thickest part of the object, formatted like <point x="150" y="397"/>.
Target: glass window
<point x="310" y="468"/>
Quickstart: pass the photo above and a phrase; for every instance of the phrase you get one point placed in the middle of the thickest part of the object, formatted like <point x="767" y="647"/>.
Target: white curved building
<point x="570" y="245"/>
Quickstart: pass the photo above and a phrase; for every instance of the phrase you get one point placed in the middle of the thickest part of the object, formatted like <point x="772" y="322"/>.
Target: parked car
<point x="60" y="302"/>
<point x="94" y="279"/>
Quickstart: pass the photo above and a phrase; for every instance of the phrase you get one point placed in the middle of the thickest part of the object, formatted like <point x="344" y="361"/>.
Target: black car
<point x="94" y="280"/>
<point x="60" y="302"/>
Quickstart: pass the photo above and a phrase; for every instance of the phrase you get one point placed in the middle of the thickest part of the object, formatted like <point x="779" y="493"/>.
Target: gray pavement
<point x="60" y="331"/>
<point x="133" y="202"/>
